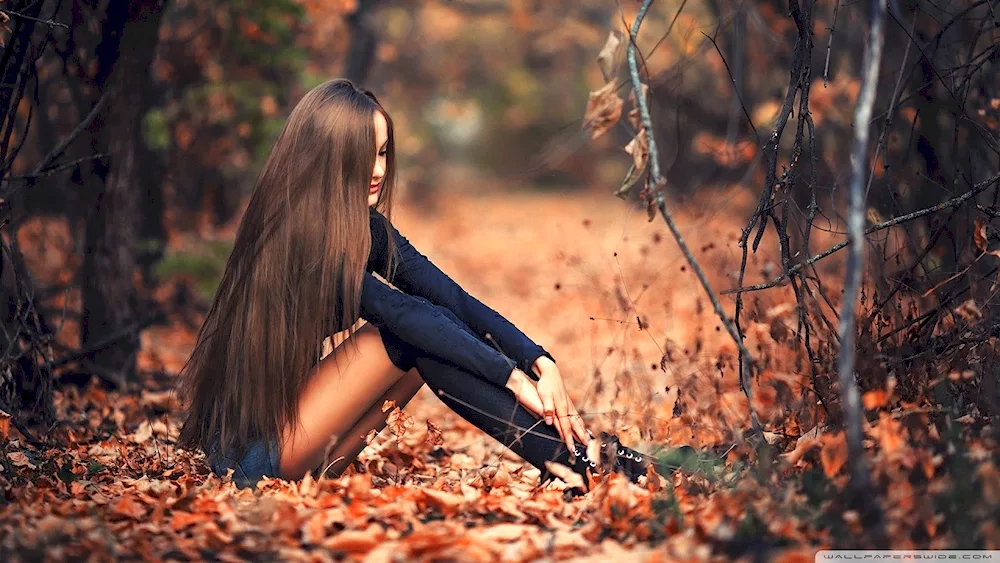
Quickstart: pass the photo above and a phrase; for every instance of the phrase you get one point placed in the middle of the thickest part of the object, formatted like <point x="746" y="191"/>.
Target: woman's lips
<point x="374" y="188"/>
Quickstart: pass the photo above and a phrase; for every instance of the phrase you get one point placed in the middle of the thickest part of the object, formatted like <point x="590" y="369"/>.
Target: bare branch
<point x="658" y="182"/>
<point x="27" y="17"/>
<point x="58" y="149"/>
<point x="954" y="202"/>
<point x="829" y="44"/>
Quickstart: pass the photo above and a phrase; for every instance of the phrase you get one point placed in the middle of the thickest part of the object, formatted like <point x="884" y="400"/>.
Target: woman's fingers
<point x="565" y="424"/>
<point x="531" y="400"/>
<point x="579" y="428"/>
<point x="548" y="407"/>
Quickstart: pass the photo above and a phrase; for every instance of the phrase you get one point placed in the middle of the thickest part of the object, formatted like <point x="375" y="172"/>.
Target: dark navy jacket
<point x="413" y="314"/>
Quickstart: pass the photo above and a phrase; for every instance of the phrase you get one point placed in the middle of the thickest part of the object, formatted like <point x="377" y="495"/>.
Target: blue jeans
<point x="261" y="459"/>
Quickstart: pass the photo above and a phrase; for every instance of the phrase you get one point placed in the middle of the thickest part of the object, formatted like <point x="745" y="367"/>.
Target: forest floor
<point x="611" y="297"/>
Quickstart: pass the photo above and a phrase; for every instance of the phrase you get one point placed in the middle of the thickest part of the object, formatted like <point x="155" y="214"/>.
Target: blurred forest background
<point x="131" y="134"/>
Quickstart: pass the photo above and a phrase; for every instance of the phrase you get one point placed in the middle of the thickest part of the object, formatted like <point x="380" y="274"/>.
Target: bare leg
<point x="347" y="448"/>
<point x="343" y="398"/>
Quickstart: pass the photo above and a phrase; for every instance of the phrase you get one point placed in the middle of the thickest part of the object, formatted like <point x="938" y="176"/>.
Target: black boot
<point x="615" y="457"/>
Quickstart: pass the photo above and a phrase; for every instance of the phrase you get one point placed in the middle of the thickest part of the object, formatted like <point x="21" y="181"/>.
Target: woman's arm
<point x="417" y="275"/>
<point x="420" y="323"/>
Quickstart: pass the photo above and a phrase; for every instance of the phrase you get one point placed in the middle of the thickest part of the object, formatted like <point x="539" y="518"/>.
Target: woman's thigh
<point x="341" y="389"/>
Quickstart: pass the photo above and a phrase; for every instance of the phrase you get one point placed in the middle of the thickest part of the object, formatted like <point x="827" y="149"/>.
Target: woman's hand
<point x="557" y="408"/>
<point x="525" y="392"/>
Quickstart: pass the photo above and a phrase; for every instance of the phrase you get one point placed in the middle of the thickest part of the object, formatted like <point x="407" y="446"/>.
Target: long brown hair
<point x="294" y="275"/>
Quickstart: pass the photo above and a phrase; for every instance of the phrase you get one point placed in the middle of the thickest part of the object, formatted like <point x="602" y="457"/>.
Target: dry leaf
<point x="874" y="399"/>
<point x="128" y="507"/>
<point x="979" y="236"/>
<point x="833" y="456"/>
<point x="568" y="476"/>
<point x="398" y="422"/>
<point x="433" y="434"/>
<point x="638" y="147"/>
<point x="20" y="460"/>
<point x="444" y="501"/>
<point x="4" y="425"/>
<point x="143" y="433"/>
<point x="610" y="56"/>
<point x="604" y="109"/>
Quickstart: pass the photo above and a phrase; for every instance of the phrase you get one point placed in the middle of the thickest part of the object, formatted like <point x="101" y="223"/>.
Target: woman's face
<point x="381" y="144"/>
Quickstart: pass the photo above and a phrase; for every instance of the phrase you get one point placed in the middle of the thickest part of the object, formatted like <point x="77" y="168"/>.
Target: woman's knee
<point x="401" y="354"/>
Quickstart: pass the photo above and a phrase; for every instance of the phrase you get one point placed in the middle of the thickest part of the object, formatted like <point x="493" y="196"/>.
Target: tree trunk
<point x="110" y="298"/>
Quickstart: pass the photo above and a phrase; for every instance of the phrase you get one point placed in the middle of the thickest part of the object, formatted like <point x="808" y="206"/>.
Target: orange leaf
<point x="433" y="434"/>
<point x="182" y="519"/>
<point x="355" y="541"/>
<point x="833" y="456"/>
<point x="979" y="235"/>
<point x="128" y="507"/>
<point x="4" y="425"/>
<point x="570" y="477"/>
<point x="874" y="399"/>
<point x="444" y="501"/>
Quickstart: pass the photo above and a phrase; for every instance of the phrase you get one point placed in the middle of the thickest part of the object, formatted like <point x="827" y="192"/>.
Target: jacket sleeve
<point x="417" y="275"/>
<point x="420" y="323"/>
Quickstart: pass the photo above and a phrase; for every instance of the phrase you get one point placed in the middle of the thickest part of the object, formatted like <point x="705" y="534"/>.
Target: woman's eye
<point x="382" y="152"/>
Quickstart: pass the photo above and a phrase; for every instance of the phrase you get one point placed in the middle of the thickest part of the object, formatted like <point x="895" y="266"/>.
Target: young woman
<point x="262" y="402"/>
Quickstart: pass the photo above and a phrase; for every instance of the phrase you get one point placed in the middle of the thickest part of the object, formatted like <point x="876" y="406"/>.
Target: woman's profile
<point x="261" y="401"/>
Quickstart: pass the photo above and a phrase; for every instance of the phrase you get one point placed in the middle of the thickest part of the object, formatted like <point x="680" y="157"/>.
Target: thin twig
<point x="829" y="44"/>
<point x="954" y="202"/>
<point x="58" y="149"/>
<point x="658" y="181"/>
<point x="27" y="17"/>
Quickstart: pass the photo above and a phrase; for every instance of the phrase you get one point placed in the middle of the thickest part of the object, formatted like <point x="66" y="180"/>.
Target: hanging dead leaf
<point x="979" y="236"/>
<point x="638" y="147"/>
<point x="610" y="56"/>
<point x="604" y="109"/>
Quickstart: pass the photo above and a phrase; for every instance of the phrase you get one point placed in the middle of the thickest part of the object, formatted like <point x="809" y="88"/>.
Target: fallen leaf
<point x="444" y="501"/>
<point x="143" y="433"/>
<point x="20" y="460"/>
<point x="128" y="507"/>
<point x="355" y="541"/>
<point x="568" y="476"/>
